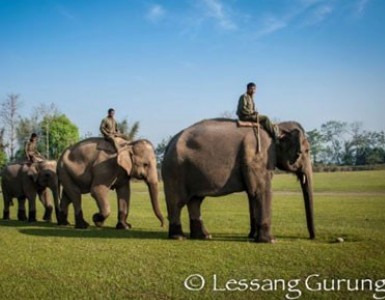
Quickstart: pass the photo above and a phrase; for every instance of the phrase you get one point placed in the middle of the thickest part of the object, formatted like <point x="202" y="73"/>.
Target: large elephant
<point x="93" y="166"/>
<point x="25" y="181"/>
<point x="216" y="157"/>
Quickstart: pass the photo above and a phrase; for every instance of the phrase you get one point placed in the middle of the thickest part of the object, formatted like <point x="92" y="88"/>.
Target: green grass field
<point x="43" y="261"/>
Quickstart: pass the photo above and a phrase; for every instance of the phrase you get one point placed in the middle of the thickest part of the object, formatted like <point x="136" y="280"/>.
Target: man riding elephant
<point x="246" y="111"/>
<point x="31" y="152"/>
<point x="109" y="129"/>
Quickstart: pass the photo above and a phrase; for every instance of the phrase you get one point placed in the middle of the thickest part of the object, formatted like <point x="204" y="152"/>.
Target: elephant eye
<point x="145" y="165"/>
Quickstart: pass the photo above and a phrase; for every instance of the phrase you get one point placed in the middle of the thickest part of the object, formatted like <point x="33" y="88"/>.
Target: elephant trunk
<point x="292" y="167"/>
<point x="153" y="191"/>
<point x="306" y="181"/>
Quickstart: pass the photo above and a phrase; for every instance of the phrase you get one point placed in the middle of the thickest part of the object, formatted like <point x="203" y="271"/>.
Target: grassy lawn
<point x="43" y="261"/>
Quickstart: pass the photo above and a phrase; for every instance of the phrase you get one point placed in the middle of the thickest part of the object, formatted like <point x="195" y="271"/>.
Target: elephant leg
<point x="123" y="195"/>
<point x="31" y="197"/>
<point x="258" y="183"/>
<point x="174" y="208"/>
<point x="99" y="193"/>
<point x="21" y="214"/>
<point x="44" y="199"/>
<point x="253" y="217"/>
<point x="62" y="215"/>
<point x="7" y="201"/>
<point x="76" y="198"/>
<point x="32" y="208"/>
<point x="197" y="229"/>
<point x="263" y="213"/>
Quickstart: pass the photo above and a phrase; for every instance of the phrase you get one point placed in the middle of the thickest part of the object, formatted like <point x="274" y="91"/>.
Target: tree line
<point x="346" y="144"/>
<point x="55" y="130"/>
<point x="334" y="143"/>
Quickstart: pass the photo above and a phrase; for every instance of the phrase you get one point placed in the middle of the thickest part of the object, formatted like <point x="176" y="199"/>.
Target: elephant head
<point x="138" y="160"/>
<point x="43" y="174"/>
<point x="293" y="155"/>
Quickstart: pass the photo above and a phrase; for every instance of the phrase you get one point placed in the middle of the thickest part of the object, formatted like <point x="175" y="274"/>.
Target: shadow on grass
<point x="93" y="232"/>
<point x="47" y="229"/>
<point x="52" y="230"/>
<point x="68" y="232"/>
<point x="245" y="238"/>
<point x="16" y="223"/>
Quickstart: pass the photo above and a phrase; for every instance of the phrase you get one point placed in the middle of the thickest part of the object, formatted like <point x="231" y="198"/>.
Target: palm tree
<point x="130" y="131"/>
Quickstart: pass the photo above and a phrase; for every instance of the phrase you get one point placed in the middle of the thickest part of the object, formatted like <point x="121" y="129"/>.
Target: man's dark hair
<point x="111" y="110"/>
<point x="250" y="85"/>
<point x="33" y="135"/>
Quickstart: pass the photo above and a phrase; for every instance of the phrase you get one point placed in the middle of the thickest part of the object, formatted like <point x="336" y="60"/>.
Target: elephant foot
<point x="48" y="214"/>
<point x="32" y="216"/>
<point x="175" y="232"/>
<point x="80" y="223"/>
<point x="264" y="240"/>
<point x="264" y="236"/>
<point x="122" y="221"/>
<point x="253" y="227"/>
<point x="198" y="231"/>
<point x="21" y="215"/>
<point x="123" y="225"/>
<point x="5" y="215"/>
<point x="61" y="218"/>
<point x="98" y="219"/>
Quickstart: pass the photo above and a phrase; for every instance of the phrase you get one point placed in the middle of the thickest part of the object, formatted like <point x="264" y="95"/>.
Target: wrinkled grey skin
<point x="293" y="155"/>
<point x="24" y="181"/>
<point x="93" y="166"/>
<point x="216" y="158"/>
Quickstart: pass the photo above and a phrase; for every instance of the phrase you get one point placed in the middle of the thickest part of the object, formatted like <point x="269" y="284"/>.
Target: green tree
<point x="375" y="156"/>
<point x="316" y="144"/>
<point x="348" y="156"/>
<point x="62" y="133"/>
<point x="160" y="150"/>
<point x="369" y="147"/>
<point x="333" y="133"/>
<point x="3" y="154"/>
<point x="9" y="116"/>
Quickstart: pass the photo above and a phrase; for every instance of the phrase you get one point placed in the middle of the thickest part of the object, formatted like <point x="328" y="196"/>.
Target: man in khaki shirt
<point x="246" y="111"/>
<point x="31" y="152"/>
<point x="109" y="128"/>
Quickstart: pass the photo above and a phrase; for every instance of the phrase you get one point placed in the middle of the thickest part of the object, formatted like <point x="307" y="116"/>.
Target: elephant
<point x="216" y="157"/>
<point x="25" y="181"/>
<point x="94" y="166"/>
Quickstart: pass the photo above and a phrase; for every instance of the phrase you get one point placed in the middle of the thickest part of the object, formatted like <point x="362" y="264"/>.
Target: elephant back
<point x="218" y="142"/>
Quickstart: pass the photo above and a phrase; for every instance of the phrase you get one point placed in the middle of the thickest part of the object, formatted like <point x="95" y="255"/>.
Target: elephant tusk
<point x="303" y="179"/>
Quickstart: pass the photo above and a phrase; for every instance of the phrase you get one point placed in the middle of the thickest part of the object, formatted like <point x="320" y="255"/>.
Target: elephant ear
<point x="125" y="159"/>
<point x="33" y="172"/>
<point x="291" y="144"/>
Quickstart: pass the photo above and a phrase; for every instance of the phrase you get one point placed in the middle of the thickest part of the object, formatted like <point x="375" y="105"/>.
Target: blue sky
<point x="169" y="64"/>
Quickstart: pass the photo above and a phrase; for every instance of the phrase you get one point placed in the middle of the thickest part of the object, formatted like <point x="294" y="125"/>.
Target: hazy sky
<point x="169" y="64"/>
